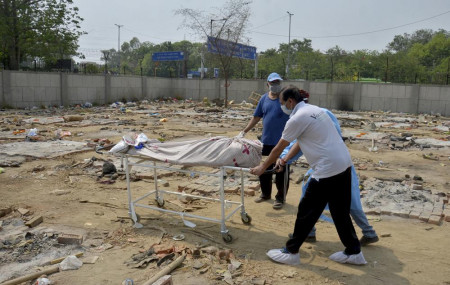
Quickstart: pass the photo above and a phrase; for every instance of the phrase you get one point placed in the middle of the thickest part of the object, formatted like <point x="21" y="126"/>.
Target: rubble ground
<point x="63" y="194"/>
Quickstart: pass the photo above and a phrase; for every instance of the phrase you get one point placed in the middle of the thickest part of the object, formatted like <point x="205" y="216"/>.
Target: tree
<point x="270" y="61"/>
<point x="296" y="47"/>
<point x="106" y="55"/>
<point x="311" y="65"/>
<point x="46" y="29"/>
<point x="232" y="21"/>
<point x="406" y="41"/>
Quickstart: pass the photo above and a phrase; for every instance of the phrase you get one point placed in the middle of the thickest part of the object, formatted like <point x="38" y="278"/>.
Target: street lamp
<point x="289" y="46"/>
<point x="213" y="20"/>
<point x="118" y="44"/>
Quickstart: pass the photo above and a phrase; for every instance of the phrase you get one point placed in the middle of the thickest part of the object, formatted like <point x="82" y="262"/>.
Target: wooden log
<point x="32" y="276"/>
<point x="169" y="268"/>
<point x="58" y="260"/>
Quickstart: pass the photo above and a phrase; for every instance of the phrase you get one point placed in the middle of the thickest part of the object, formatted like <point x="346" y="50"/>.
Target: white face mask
<point x="286" y="110"/>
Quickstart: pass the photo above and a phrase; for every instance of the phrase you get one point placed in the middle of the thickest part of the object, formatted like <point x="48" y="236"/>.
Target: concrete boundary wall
<point x="27" y="89"/>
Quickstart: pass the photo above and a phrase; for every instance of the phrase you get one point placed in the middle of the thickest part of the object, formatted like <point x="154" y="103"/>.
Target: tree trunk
<point x="226" y="91"/>
<point x="13" y="48"/>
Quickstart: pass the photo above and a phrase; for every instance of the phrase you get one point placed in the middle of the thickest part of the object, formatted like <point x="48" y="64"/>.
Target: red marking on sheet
<point x="246" y="150"/>
<point x="235" y="162"/>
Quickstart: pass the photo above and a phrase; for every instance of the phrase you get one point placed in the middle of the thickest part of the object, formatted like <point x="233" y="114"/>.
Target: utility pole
<point x="289" y="46"/>
<point x="118" y="45"/>
<point x="210" y="31"/>
<point x="256" y="66"/>
<point x="106" y="57"/>
<point x="202" y="66"/>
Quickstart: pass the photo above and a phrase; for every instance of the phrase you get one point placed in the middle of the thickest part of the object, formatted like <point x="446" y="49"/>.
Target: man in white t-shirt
<point x="328" y="155"/>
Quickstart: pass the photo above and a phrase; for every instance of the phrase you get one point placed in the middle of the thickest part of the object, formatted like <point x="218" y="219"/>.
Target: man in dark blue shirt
<point x="274" y="120"/>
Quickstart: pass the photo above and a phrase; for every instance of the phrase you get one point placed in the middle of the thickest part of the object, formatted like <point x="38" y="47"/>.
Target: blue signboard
<point x="194" y="73"/>
<point x="168" y="56"/>
<point x="216" y="45"/>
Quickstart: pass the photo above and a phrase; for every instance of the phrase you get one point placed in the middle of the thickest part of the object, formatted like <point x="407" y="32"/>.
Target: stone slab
<point x="49" y="149"/>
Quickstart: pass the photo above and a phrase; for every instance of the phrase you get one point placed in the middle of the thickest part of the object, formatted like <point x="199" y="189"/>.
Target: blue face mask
<point x="286" y="110"/>
<point x="276" y="88"/>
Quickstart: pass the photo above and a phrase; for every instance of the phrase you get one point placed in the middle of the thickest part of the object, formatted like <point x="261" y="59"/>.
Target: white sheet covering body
<point x="214" y="152"/>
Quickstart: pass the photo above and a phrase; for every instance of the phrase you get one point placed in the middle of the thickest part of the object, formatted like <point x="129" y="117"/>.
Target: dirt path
<point x="71" y="200"/>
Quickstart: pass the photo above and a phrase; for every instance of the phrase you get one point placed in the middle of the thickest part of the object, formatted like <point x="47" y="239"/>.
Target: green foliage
<point x="422" y="62"/>
<point x="47" y="30"/>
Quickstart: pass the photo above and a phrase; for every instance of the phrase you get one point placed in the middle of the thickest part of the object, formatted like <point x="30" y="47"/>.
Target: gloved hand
<point x="279" y="165"/>
<point x="241" y="135"/>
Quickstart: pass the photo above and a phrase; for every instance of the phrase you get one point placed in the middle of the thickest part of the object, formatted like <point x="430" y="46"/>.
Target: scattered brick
<point x="34" y="222"/>
<point x="425" y="216"/>
<point x="207" y="190"/>
<point x="428" y="209"/>
<point x="402" y="213"/>
<point x="165" y="280"/>
<point x="70" y="239"/>
<point x="438" y="211"/>
<point x="386" y="212"/>
<point x="232" y="190"/>
<point x="90" y="259"/>
<point x="435" y="220"/>
<point x="250" y="192"/>
<point x="23" y="211"/>
<point x="415" y="214"/>
<point x="163" y="248"/>
<point x="446" y="215"/>
<point x="376" y="211"/>
<point x="5" y="211"/>
<point x="417" y="187"/>
<point x="254" y="186"/>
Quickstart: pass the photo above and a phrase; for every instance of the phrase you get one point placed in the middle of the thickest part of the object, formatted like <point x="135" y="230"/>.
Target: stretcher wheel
<point x="246" y="219"/>
<point x="160" y="201"/>
<point x="227" y="238"/>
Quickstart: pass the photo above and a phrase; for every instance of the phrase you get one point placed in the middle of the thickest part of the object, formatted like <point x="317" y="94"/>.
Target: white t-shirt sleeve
<point x="293" y="129"/>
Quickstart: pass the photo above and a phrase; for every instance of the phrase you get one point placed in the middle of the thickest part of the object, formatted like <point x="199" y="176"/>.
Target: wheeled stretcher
<point x="151" y="156"/>
<point x="158" y="193"/>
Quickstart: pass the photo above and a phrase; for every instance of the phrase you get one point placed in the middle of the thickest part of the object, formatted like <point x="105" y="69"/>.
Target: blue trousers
<point x="356" y="211"/>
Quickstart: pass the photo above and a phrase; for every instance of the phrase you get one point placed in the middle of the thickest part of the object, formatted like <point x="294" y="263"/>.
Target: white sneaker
<point x="341" y="257"/>
<point x="281" y="255"/>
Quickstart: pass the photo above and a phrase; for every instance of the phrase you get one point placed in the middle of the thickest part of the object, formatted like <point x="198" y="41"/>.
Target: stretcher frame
<point x="221" y="174"/>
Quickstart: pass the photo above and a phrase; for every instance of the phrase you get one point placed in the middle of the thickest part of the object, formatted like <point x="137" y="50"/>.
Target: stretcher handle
<point x="98" y="149"/>
<point x="271" y="171"/>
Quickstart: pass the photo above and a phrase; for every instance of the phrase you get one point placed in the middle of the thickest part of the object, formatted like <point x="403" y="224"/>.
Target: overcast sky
<point x="350" y="24"/>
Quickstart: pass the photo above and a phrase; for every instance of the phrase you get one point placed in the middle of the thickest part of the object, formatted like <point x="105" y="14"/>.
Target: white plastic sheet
<point x="70" y="263"/>
<point x="214" y="152"/>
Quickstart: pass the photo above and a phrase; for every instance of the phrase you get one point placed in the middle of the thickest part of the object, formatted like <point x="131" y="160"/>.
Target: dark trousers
<point x="266" y="179"/>
<point x="336" y="191"/>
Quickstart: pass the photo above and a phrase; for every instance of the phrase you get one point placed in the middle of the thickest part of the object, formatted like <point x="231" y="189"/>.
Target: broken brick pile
<point x="405" y="199"/>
